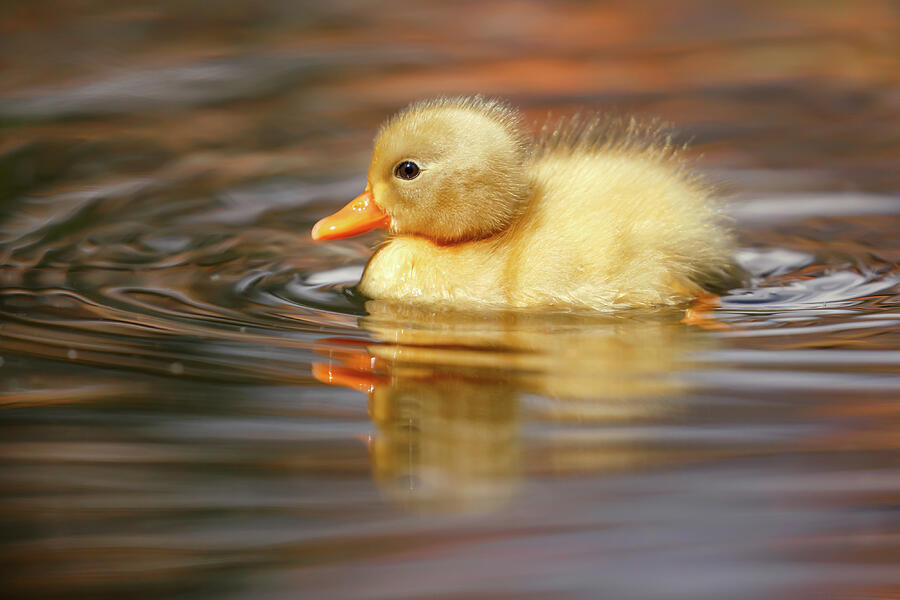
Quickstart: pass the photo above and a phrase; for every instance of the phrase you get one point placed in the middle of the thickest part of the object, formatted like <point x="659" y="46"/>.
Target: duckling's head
<point x="450" y="170"/>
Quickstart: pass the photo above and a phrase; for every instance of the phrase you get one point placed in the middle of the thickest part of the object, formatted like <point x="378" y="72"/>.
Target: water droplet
<point x="72" y="354"/>
<point x="177" y="368"/>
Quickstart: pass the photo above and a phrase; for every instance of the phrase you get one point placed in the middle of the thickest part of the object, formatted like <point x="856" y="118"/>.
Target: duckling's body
<point x="595" y="220"/>
<point x="631" y="247"/>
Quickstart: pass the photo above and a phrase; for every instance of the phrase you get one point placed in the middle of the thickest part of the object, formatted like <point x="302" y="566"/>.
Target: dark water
<point x="167" y="325"/>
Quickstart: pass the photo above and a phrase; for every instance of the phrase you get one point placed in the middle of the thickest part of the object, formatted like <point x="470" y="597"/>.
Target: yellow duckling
<point x="481" y="214"/>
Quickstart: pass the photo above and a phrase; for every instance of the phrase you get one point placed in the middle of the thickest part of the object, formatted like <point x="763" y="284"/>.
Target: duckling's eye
<point x="407" y="170"/>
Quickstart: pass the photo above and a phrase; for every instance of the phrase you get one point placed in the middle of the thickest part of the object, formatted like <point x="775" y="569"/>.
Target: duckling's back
<point x="615" y="221"/>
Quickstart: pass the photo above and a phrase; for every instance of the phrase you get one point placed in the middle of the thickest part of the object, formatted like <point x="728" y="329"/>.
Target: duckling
<point x="481" y="214"/>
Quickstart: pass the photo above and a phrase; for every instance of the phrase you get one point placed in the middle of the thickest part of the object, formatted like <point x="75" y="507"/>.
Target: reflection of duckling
<point x="448" y="391"/>
<point x="482" y="215"/>
<point x="445" y="442"/>
<point x="447" y="435"/>
<point x="598" y="368"/>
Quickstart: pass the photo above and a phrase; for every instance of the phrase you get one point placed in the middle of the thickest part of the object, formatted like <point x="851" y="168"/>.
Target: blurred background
<point x="164" y="316"/>
<point x="93" y="90"/>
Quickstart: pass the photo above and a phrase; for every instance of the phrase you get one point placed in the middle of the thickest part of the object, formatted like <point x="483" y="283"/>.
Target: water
<point x="168" y="328"/>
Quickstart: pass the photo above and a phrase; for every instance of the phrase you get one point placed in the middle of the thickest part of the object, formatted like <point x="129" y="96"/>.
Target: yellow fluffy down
<point x="586" y="215"/>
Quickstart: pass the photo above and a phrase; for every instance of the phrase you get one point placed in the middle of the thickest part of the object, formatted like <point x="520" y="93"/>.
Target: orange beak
<point x="360" y="216"/>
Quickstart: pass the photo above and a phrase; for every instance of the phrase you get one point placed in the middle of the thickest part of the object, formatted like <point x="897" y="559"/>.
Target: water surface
<point x="168" y="332"/>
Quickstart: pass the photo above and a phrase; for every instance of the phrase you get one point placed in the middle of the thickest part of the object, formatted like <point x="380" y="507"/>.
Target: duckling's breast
<point x="413" y="269"/>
